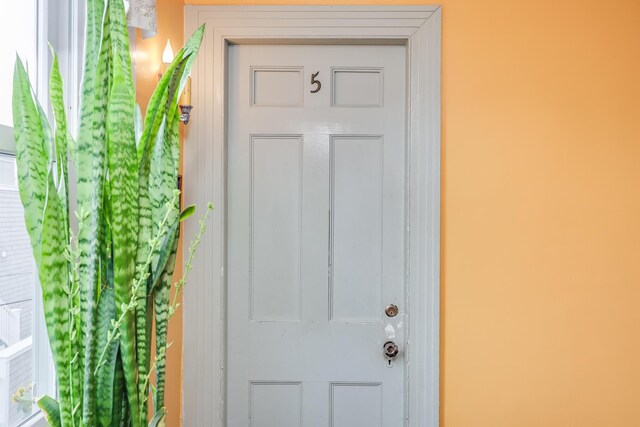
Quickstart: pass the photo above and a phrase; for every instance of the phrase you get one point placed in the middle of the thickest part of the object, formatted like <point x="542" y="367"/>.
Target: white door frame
<point x="417" y="27"/>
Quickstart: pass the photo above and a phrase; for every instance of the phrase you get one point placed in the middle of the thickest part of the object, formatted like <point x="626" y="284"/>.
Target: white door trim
<point x="419" y="27"/>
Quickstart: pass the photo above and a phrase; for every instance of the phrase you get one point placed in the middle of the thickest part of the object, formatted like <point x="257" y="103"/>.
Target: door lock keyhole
<point x="391" y="310"/>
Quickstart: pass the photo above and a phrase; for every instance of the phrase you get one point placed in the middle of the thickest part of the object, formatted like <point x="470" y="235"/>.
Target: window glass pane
<point x="18" y="278"/>
<point x="18" y="32"/>
<point x="17" y="289"/>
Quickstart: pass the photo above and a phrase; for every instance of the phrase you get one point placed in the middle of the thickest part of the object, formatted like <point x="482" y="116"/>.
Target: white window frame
<point x="204" y="327"/>
<point x="61" y="23"/>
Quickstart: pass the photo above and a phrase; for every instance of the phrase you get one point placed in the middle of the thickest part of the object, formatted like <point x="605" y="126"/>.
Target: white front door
<point x="316" y="236"/>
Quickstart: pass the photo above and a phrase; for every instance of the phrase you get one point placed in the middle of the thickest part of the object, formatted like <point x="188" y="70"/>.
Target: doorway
<point x="285" y="317"/>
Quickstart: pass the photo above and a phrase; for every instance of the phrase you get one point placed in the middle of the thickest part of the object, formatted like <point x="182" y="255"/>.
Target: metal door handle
<point x="391" y="310"/>
<point x="390" y="349"/>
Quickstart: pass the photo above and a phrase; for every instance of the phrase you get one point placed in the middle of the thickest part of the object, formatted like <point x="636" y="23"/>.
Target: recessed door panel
<point x="276" y="86"/>
<point x="356" y="404"/>
<point x="356" y="228"/>
<point x="275" y="227"/>
<point x="276" y="404"/>
<point x="357" y="87"/>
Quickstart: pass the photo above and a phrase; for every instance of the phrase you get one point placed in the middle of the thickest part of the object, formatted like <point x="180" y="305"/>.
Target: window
<point x="26" y="369"/>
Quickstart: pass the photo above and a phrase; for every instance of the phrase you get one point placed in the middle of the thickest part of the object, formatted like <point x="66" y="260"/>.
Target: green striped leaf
<point x="187" y="212"/>
<point x="51" y="410"/>
<point x="106" y="375"/>
<point x="54" y="278"/>
<point x="125" y="414"/>
<point x="167" y="92"/>
<point x="162" y="296"/>
<point x="164" y="181"/>
<point x="124" y="195"/>
<point x="144" y="301"/>
<point x="92" y="165"/>
<point x="162" y="102"/>
<point x="45" y="224"/>
<point x="91" y="172"/>
<point x="62" y="135"/>
<point x="164" y="254"/>
<point x="120" y="402"/>
<point x="31" y="156"/>
<point x="92" y="42"/>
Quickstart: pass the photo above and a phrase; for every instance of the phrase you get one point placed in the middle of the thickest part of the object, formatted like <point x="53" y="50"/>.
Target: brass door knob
<point x="391" y="310"/>
<point x="390" y="349"/>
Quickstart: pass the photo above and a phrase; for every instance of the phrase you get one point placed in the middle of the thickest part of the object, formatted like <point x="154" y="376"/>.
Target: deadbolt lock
<point x="390" y="349"/>
<point x="391" y="310"/>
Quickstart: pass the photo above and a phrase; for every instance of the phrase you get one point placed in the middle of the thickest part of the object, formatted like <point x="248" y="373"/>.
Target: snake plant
<point x="105" y="266"/>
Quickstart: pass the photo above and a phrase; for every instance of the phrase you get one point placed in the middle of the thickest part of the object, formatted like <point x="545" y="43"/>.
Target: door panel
<point x="356" y="404"/>
<point x="316" y="236"/>
<point x="275" y="225"/>
<point x="356" y="232"/>
<point x="276" y="404"/>
<point x="357" y="87"/>
<point x="276" y="86"/>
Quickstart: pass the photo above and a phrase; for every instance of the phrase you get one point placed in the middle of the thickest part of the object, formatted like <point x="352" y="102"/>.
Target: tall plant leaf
<point x="53" y="273"/>
<point x="105" y="378"/>
<point x="43" y="215"/>
<point x="91" y="157"/>
<point x="162" y="102"/>
<point x="92" y="42"/>
<point x="31" y="157"/>
<point x="162" y="301"/>
<point x="164" y="97"/>
<point x="62" y="136"/>
<point x="51" y="409"/>
<point x="164" y="180"/>
<point x="120" y="403"/>
<point x="164" y="254"/>
<point x="124" y="195"/>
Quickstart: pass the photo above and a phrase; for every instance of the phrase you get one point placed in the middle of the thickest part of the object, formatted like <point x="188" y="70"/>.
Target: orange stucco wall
<point x="540" y="210"/>
<point x="148" y="56"/>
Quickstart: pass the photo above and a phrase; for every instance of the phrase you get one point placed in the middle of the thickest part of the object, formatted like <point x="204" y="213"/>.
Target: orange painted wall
<point x="148" y="56"/>
<point x="540" y="210"/>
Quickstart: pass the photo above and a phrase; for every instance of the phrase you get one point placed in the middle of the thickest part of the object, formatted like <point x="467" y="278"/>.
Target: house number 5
<point x="316" y="82"/>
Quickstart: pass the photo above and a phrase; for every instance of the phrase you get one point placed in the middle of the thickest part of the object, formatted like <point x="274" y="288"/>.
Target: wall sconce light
<point x="167" y="57"/>
<point x="185" y="100"/>
<point x="185" y="103"/>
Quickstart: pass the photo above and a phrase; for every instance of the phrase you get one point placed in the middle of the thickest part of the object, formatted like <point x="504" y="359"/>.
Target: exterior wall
<point x="20" y="369"/>
<point x="17" y="269"/>
<point x="16" y="372"/>
<point x="540" y="211"/>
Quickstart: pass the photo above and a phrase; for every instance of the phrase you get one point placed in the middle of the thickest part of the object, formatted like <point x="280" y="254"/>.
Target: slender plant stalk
<point x="72" y="255"/>
<point x="193" y="248"/>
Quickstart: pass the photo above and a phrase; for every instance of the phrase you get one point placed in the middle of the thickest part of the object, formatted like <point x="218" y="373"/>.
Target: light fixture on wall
<point x="167" y="57"/>
<point x="185" y="102"/>
<point x="185" y="99"/>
